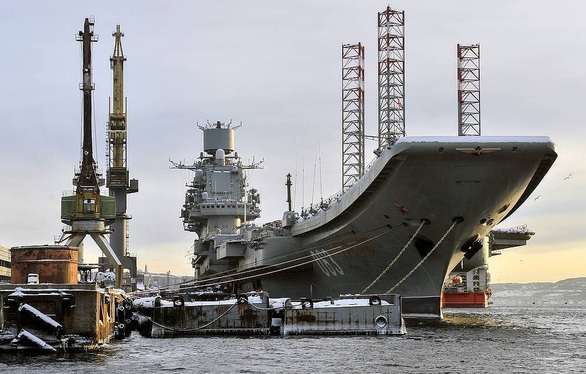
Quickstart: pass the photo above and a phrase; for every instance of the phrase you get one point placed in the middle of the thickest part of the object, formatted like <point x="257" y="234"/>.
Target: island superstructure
<point x="217" y="204"/>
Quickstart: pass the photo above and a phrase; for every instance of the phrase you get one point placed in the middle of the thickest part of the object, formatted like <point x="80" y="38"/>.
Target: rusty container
<point x="53" y="264"/>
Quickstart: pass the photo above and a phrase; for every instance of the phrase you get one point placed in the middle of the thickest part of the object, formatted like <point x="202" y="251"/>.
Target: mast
<point x="288" y="184"/>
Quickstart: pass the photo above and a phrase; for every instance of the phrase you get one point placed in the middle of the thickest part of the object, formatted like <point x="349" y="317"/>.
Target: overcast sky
<point x="275" y="67"/>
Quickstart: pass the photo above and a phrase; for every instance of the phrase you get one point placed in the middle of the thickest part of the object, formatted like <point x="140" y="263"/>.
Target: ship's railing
<point x="251" y="209"/>
<point x="223" y="201"/>
<point x="324" y="204"/>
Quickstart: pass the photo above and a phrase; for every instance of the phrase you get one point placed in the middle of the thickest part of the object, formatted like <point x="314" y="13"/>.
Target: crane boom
<point x="117" y="65"/>
<point x="88" y="178"/>
<point x="117" y="173"/>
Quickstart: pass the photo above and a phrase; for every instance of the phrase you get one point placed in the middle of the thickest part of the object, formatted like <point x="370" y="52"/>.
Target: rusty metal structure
<point x="61" y="317"/>
<point x="52" y="264"/>
<point x="469" y="90"/>
<point x="352" y="114"/>
<point x="367" y="315"/>
<point x="117" y="175"/>
<point x="220" y="314"/>
<point x="391" y="77"/>
<point x="86" y="212"/>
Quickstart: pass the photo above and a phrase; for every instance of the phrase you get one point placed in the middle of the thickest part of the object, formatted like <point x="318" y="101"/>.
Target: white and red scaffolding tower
<point x="391" y="77"/>
<point x="352" y="114"/>
<point x="469" y="90"/>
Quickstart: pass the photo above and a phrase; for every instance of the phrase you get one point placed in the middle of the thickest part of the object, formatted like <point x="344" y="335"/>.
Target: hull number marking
<point x="326" y="263"/>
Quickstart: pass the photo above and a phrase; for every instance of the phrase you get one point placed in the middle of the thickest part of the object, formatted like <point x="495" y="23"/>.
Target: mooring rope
<point x="454" y="223"/>
<point x="423" y="222"/>
<point x="197" y="328"/>
<point x="229" y="276"/>
<point x="260" y="307"/>
<point x="238" y="301"/>
<point x="299" y="264"/>
<point x="216" y="281"/>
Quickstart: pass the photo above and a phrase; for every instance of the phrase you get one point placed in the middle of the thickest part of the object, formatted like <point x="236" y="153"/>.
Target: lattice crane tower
<point x="352" y="114"/>
<point x="87" y="212"/>
<point x="391" y="77"/>
<point x="469" y="90"/>
<point x="117" y="175"/>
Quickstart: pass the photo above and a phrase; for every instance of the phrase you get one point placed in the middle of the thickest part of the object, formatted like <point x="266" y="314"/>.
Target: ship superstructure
<point x="217" y="203"/>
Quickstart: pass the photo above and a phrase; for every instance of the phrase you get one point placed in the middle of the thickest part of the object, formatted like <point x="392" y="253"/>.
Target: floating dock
<point x="256" y="314"/>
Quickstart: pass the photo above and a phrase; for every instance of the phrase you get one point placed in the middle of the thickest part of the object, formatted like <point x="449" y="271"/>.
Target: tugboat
<point x="468" y="285"/>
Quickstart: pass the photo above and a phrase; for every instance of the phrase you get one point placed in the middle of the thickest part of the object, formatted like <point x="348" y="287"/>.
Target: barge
<point x="256" y="314"/>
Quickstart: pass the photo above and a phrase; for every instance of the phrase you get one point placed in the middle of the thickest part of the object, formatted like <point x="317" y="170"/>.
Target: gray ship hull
<point x="423" y="205"/>
<point x="474" y="181"/>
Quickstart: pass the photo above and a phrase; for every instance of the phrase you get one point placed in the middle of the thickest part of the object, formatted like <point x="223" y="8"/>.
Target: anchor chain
<point x="454" y="223"/>
<point x="396" y="257"/>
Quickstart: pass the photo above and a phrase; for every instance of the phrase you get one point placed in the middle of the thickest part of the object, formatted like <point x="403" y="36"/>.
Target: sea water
<point x="509" y="337"/>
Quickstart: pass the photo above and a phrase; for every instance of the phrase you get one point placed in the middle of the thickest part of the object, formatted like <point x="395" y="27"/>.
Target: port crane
<point x="117" y="175"/>
<point x="86" y="212"/>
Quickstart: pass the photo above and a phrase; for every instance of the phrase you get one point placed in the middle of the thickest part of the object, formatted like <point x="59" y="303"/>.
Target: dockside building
<point x="4" y="264"/>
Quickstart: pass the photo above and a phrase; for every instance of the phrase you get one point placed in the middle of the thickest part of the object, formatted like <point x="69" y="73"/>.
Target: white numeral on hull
<point x="326" y="263"/>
